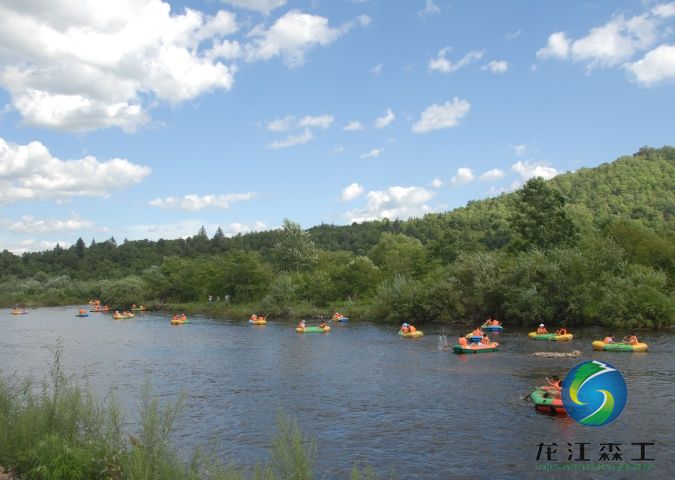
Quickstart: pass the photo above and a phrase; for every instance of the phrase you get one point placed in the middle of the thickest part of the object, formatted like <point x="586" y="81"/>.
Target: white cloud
<point x="443" y="65"/>
<point x="281" y="124"/>
<point x="32" y="245"/>
<point x="463" y="176"/>
<point x="292" y="140"/>
<point x="392" y="203"/>
<point x="558" y="46"/>
<point x="513" y="35"/>
<point x="519" y="150"/>
<point x="430" y="8"/>
<point x="29" y="224"/>
<point x="664" y="10"/>
<point x="492" y="175"/>
<point x="529" y="170"/>
<point x="353" y="126"/>
<point x="615" y="42"/>
<point x="374" y="153"/>
<point x="293" y="34"/>
<point x="656" y="66"/>
<point x="436" y="117"/>
<point x="352" y="191"/>
<point x="262" y="6"/>
<point x="80" y="66"/>
<point x="437" y="183"/>
<point x="194" y="202"/>
<point x="385" y="120"/>
<point x="376" y="70"/>
<point x="496" y="66"/>
<point x="30" y="172"/>
<point x="321" y="121"/>
<point x="226" y="49"/>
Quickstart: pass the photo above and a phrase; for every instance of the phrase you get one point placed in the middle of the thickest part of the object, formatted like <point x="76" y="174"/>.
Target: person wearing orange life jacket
<point x="541" y="330"/>
<point x="82" y="311"/>
<point x="632" y="339"/>
<point x="412" y="328"/>
<point x="495" y="323"/>
<point x="561" y="331"/>
<point x="463" y="342"/>
<point x="405" y="328"/>
<point x="485" y="340"/>
<point x="554" y="385"/>
<point x="477" y="332"/>
<point x="254" y="317"/>
<point x="302" y="324"/>
<point x="322" y="325"/>
<point x="609" y="339"/>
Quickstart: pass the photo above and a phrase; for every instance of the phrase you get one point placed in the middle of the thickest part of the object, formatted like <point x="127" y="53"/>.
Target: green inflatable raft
<point x="551" y="337"/>
<point x="619" y="347"/>
<point x="476" y="348"/>
<point x="325" y="329"/>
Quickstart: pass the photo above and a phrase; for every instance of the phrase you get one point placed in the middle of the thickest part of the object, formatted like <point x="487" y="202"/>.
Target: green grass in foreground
<point x="60" y="431"/>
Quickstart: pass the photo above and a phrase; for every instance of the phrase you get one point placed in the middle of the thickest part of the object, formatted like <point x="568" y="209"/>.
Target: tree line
<point x="588" y="247"/>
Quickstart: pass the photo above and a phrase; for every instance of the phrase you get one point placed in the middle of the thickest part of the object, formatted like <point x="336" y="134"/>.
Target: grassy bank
<point x="59" y="430"/>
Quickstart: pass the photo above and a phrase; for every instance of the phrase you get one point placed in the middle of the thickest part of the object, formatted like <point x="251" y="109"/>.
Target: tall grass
<point x="58" y="431"/>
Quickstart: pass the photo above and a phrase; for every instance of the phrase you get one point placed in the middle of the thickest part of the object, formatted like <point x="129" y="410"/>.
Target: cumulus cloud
<point x="464" y="175"/>
<point x="615" y="43"/>
<point x="353" y="126"/>
<point x="30" y="172"/>
<point x="496" y="67"/>
<point x="492" y="175"/>
<point x="374" y="153"/>
<point x="281" y="124"/>
<point x="437" y="183"/>
<point x="385" y="120"/>
<point x="29" y="224"/>
<point x="443" y="65"/>
<point x="321" y="121"/>
<point x="292" y="140"/>
<point x="32" y="245"/>
<point x="351" y="191"/>
<point x="430" y="9"/>
<point x="519" y="150"/>
<point x="394" y="202"/>
<point x="79" y="66"/>
<point x="655" y="67"/>
<point x="529" y="170"/>
<point x="262" y="6"/>
<point x="437" y="117"/>
<point x="294" y="34"/>
<point x="194" y="202"/>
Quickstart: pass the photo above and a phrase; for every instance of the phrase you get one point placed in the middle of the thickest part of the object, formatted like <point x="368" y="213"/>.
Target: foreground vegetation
<point x="60" y="431"/>
<point x="590" y="247"/>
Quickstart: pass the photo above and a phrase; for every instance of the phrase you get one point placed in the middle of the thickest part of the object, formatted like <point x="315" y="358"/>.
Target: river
<point x="365" y="394"/>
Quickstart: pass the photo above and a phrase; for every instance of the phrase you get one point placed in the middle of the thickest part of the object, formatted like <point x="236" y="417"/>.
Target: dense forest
<point x="595" y="246"/>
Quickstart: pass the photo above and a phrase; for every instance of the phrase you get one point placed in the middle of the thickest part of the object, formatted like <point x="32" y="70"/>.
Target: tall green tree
<point x="295" y="251"/>
<point x="540" y="216"/>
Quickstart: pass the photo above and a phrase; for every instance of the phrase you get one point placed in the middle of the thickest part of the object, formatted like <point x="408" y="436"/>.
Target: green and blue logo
<point x="594" y="393"/>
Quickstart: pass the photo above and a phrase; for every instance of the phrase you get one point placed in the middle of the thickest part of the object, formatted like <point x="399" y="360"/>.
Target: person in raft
<point x="463" y="342"/>
<point x="82" y="311"/>
<point x="554" y="385"/>
<point x="254" y="317"/>
<point x="485" y="340"/>
<point x="302" y="324"/>
<point x="561" y="331"/>
<point x="609" y="339"/>
<point x="631" y="339"/>
<point x="337" y="316"/>
<point x="495" y="322"/>
<point x="405" y="328"/>
<point x="322" y="324"/>
<point x="477" y="332"/>
<point x="542" y="329"/>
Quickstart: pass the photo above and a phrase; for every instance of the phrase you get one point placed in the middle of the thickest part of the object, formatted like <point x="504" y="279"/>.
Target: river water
<point x="362" y="392"/>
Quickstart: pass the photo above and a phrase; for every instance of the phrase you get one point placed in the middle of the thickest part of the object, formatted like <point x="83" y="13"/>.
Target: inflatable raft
<point x="476" y="348"/>
<point x="415" y="334"/>
<point x="493" y="328"/>
<point x="619" y="347"/>
<point x="325" y="329"/>
<point x="179" y="321"/>
<point x="544" y="403"/>
<point x="259" y="321"/>
<point x="551" y="337"/>
<point x="123" y="317"/>
<point x="340" y="319"/>
<point x="81" y="314"/>
<point x="19" y="312"/>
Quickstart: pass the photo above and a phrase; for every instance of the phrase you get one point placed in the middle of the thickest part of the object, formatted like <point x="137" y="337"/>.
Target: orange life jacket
<point x="463" y="342"/>
<point x="608" y="340"/>
<point x="541" y="331"/>
<point x="412" y="329"/>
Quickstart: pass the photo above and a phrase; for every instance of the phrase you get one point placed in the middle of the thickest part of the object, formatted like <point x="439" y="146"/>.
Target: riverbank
<point x="61" y="431"/>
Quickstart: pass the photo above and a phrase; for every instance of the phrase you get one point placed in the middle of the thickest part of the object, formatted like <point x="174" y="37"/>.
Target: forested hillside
<point x="591" y="246"/>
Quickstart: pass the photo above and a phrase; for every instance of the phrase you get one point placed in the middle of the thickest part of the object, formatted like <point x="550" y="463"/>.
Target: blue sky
<point x="147" y="119"/>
